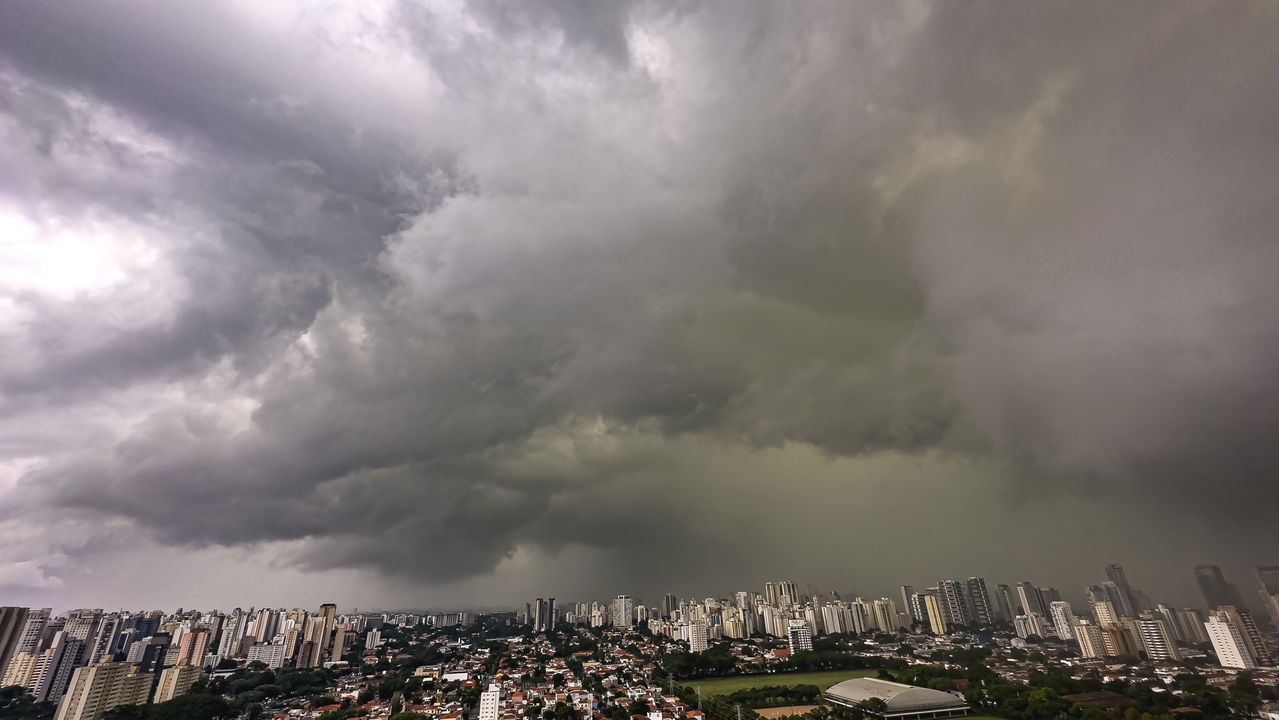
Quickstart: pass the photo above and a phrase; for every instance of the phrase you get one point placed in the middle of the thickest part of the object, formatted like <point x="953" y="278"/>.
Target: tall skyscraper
<point x="95" y="689"/>
<point x="1173" y="621"/>
<point x="1253" y="641"/>
<point x="62" y="658"/>
<point x="1063" y="619"/>
<point x="695" y="633"/>
<point x="12" y="622"/>
<point x="790" y="591"/>
<point x="908" y="594"/>
<point x="175" y="681"/>
<point x="954" y="602"/>
<point x="1268" y="589"/>
<point x="1030" y="599"/>
<point x="1157" y="639"/>
<point x="1192" y="623"/>
<point x="623" y="611"/>
<point x="1092" y="643"/>
<point x="979" y="601"/>
<point x="104" y="646"/>
<point x="1004" y="602"/>
<point x="885" y="611"/>
<point x="192" y="647"/>
<point x="33" y="630"/>
<point x="1128" y="605"/>
<point x="1217" y="591"/>
<point x="799" y="636"/>
<point x="543" y="614"/>
<point x="1268" y="579"/>
<point x="1228" y="643"/>
<point x="1104" y="613"/>
<point x="325" y="622"/>
<point x="936" y="615"/>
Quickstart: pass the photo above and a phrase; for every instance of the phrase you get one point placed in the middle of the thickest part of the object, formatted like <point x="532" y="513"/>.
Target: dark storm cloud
<point x="434" y="286"/>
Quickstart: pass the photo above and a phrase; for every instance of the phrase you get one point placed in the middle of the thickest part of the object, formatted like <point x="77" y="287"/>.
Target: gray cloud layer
<point x="424" y="288"/>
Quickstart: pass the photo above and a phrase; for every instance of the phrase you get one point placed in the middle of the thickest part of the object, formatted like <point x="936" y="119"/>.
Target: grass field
<point x="823" y="680"/>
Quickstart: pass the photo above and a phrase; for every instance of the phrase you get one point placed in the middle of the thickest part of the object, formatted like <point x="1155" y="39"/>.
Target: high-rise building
<point x="490" y="703"/>
<point x="33" y="631"/>
<point x="273" y="655"/>
<point x="1228" y="643"/>
<point x="1104" y="613"/>
<point x="326" y="620"/>
<point x="908" y="594"/>
<point x="799" y="636"/>
<point x="859" y="615"/>
<point x="544" y="615"/>
<point x="233" y="629"/>
<point x="1255" y="644"/>
<point x="979" y="601"/>
<point x="1032" y="624"/>
<point x="12" y="621"/>
<point x="954" y="602"/>
<point x="623" y="614"/>
<point x="18" y="671"/>
<point x="103" y="647"/>
<point x="790" y="592"/>
<point x="1063" y="619"/>
<point x="1268" y="588"/>
<point x="1128" y="604"/>
<point x="671" y="603"/>
<point x="885" y="614"/>
<point x="95" y="689"/>
<point x="175" y="681"/>
<point x="772" y="594"/>
<point x="192" y="647"/>
<point x="1021" y="626"/>
<point x="1172" y="621"/>
<point x="1217" y="591"/>
<point x="1119" y="641"/>
<point x="1157" y="639"/>
<point x="1031" y="600"/>
<point x="696" y="634"/>
<point x="1192" y="623"/>
<point x="1268" y="579"/>
<point x="1004" y="602"/>
<point x="62" y="658"/>
<point x="936" y="615"/>
<point x="1092" y="643"/>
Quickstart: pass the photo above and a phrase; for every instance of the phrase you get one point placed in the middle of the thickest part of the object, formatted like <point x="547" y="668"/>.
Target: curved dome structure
<point x="900" y="701"/>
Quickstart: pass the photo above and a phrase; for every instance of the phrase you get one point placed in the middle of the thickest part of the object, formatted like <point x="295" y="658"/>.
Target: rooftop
<point x="899" y="699"/>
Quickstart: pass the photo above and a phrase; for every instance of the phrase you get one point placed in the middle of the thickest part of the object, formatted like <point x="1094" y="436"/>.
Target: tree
<point x="1244" y="697"/>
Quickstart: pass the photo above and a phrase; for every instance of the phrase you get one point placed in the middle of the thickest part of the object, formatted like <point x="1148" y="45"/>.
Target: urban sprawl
<point x="958" y="648"/>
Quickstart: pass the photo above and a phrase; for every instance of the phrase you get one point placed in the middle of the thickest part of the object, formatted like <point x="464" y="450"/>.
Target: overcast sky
<point x="399" y="303"/>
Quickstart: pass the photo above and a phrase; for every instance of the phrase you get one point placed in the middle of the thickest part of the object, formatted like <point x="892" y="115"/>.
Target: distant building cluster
<point x="91" y="661"/>
<point x="1118" y="620"/>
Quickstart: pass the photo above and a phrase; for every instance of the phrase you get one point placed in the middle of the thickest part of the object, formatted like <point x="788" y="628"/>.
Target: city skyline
<point x="453" y="302"/>
<point x="88" y="660"/>
<point x="1250" y="596"/>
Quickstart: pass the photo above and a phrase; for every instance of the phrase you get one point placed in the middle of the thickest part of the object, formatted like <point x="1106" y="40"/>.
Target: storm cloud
<point x="633" y="296"/>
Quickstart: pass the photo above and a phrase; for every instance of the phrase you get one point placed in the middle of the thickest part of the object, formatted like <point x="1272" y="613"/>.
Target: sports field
<point x="823" y="680"/>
